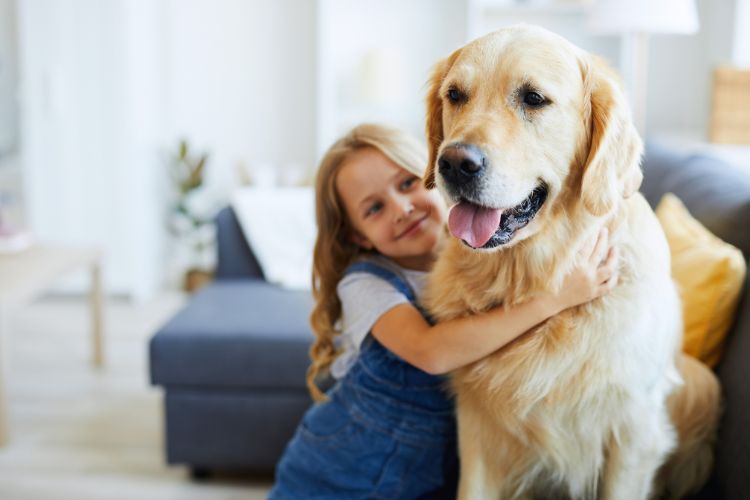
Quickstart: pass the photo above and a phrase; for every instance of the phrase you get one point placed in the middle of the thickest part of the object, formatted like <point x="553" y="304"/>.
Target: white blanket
<point x="279" y="224"/>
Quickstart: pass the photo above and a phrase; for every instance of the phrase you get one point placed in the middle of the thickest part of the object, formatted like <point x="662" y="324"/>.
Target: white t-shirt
<point x="365" y="298"/>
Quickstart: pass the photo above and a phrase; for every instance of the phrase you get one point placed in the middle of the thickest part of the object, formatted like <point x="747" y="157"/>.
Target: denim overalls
<point x="387" y="431"/>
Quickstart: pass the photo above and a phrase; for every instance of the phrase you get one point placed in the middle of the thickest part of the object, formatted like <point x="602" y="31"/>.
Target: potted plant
<point x="191" y="218"/>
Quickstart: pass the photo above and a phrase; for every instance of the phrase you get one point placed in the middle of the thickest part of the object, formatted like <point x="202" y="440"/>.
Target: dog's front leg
<point x="474" y="480"/>
<point x="634" y="458"/>
<point x="489" y="462"/>
<point x="478" y="482"/>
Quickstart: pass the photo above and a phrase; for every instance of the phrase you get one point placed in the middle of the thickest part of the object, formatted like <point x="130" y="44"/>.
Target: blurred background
<point x="95" y="97"/>
<point x="126" y="125"/>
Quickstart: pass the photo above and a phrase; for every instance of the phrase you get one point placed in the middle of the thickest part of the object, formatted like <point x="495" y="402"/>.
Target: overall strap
<point x="398" y="282"/>
<point x="395" y="381"/>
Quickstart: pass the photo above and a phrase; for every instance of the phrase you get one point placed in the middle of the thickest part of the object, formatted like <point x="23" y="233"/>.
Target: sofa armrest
<point x="235" y="258"/>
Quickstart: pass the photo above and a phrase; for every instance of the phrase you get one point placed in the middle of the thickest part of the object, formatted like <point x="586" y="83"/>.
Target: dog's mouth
<point x="485" y="227"/>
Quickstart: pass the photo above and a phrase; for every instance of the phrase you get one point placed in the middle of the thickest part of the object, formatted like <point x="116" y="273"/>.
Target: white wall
<point x="741" y="42"/>
<point x="71" y="106"/>
<point x="140" y="171"/>
<point x="108" y="88"/>
<point x="239" y="85"/>
<point x="681" y="69"/>
<point x="241" y="80"/>
<point x="413" y="34"/>
<point x="8" y="79"/>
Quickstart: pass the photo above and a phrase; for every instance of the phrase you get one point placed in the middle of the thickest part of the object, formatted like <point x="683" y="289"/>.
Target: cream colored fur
<point x="577" y="407"/>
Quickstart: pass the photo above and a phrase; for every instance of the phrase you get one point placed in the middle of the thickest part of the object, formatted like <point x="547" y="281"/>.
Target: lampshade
<point x="643" y="16"/>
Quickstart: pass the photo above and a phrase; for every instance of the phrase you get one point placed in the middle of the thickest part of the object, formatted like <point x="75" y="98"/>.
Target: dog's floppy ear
<point x="434" y="123"/>
<point x="612" y="167"/>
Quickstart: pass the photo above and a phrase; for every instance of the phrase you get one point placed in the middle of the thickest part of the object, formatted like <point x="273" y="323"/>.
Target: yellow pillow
<point x="709" y="274"/>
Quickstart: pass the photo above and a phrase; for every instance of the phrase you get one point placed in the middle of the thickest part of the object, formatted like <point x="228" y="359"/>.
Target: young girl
<point x="387" y="429"/>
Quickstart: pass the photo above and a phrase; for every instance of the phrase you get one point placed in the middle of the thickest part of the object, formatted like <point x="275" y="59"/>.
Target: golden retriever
<point x="532" y="144"/>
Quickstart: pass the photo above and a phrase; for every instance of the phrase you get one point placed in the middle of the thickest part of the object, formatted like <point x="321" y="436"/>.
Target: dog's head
<point x="521" y="124"/>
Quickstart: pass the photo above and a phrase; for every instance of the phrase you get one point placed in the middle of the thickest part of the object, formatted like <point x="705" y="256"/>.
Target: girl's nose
<point x="405" y="208"/>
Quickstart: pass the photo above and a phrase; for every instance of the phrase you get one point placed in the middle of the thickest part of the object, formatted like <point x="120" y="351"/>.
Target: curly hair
<point x="334" y="250"/>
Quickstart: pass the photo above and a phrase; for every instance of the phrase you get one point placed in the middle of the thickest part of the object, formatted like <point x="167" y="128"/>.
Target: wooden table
<point x="27" y="274"/>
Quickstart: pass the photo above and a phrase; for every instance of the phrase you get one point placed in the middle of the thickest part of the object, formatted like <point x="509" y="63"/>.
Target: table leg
<point x="97" y="330"/>
<point x="4" y="357"/>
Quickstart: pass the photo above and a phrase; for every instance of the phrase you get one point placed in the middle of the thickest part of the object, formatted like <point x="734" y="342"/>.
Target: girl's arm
<point x="455" y="343"/>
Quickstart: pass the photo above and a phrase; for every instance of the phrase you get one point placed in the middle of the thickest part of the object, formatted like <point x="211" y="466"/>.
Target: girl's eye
<point x="374" y="208"/>
<point x="408" y="183"/>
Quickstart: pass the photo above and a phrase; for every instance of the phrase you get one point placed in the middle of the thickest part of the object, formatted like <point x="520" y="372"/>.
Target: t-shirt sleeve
<point x="364" y="298"/>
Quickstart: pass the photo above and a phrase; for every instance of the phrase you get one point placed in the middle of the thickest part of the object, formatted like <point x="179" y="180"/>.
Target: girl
<point x="386" y="429"/>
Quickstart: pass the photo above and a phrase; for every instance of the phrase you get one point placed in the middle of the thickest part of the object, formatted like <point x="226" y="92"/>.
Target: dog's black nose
<point x="461" y="163"/>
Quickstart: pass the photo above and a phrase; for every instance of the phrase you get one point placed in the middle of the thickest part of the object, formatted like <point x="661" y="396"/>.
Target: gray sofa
<point x="233" y="361"/>
<point x="718" y="195"/>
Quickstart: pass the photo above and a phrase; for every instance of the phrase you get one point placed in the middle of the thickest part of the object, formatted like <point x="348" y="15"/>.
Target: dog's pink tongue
<point x="473" y="224"/>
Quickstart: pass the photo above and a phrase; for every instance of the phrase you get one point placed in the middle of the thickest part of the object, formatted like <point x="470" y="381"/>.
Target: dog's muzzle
<point x="518" y="217"/>
<point x="479" y="226"/>
<point x="461" y="166"/>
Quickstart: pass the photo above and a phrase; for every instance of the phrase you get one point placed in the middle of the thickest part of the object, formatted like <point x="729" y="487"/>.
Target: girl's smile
<point x="414" y="227"/>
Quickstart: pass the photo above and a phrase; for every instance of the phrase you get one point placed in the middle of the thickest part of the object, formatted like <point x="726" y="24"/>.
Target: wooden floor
<point x="83" y="434"/>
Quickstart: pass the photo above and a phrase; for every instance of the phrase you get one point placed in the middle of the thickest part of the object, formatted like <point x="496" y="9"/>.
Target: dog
<point x="530" y="140"/>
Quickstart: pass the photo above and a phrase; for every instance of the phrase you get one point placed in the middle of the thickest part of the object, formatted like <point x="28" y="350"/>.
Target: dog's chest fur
<point x="562" y="391"/>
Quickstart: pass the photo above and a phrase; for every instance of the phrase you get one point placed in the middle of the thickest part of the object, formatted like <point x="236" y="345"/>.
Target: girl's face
<point x="390" y="209"/>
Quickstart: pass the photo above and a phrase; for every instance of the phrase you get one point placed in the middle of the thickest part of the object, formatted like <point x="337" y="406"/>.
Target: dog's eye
<point x="533" y="99"/>
<point x="455" y="96"/>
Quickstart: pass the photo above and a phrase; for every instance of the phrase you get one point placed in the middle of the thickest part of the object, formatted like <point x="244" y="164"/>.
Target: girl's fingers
<point x="604" y="274"/>
<point x="607" y="274"/>
<point x="612" y="256"/>
<point x="608" y="285"/>
<point x="608" y="268"/>
<point x="584" y="249"/>
<point x="602" y="242"/>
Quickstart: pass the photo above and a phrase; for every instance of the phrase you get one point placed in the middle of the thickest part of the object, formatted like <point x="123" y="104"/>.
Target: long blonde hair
<point x="334" y="248"/>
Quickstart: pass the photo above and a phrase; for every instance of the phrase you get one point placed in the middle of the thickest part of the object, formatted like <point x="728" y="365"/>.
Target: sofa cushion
<point x="236" y="333"/>
<point x="709" y="274"/>
<point x="282" y="242"/>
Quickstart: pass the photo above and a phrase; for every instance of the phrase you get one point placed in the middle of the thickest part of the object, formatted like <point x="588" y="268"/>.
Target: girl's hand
<point x="595" y="275"/>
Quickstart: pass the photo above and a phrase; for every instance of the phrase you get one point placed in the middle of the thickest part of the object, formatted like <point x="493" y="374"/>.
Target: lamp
<point x="635" y="20"/>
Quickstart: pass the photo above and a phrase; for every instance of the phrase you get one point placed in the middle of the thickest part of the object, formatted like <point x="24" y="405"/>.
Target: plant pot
<point x="196" y="278"/>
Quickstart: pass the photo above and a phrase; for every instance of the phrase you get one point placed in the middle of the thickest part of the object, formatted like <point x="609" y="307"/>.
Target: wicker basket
<point x="730" y="114"/>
